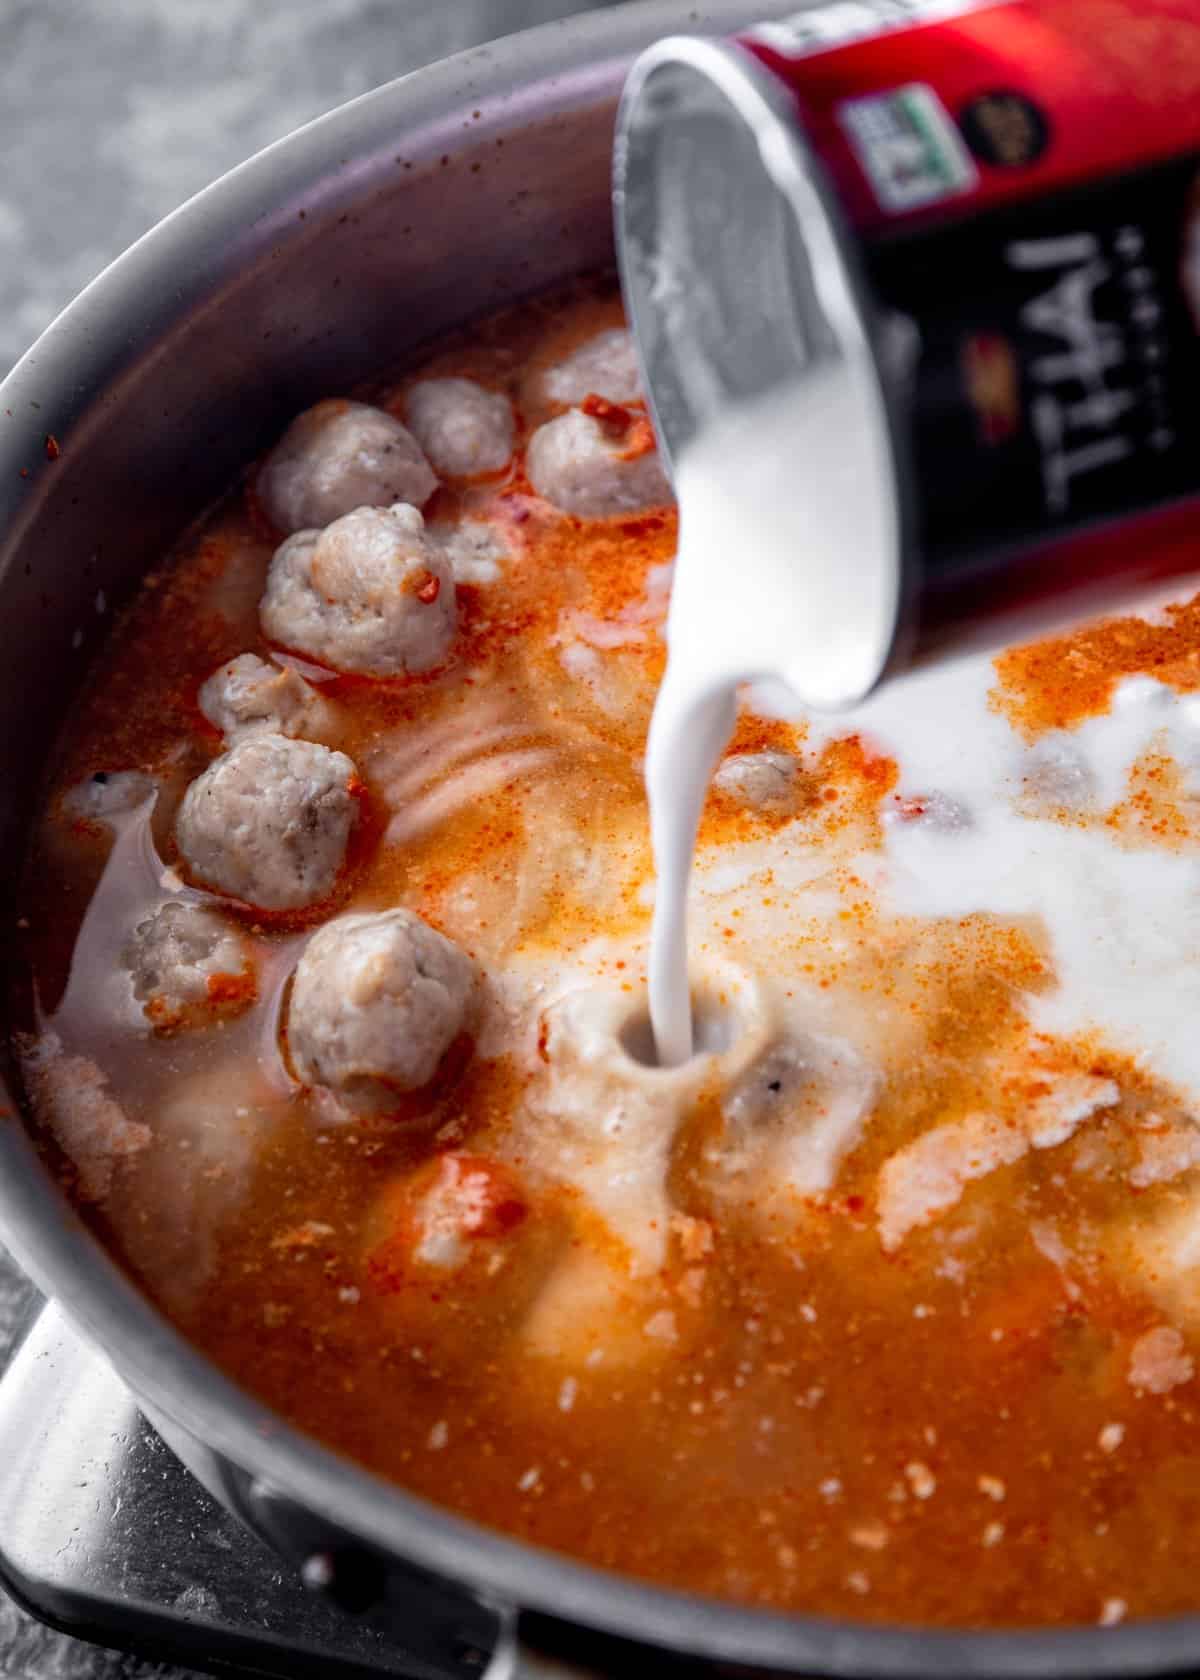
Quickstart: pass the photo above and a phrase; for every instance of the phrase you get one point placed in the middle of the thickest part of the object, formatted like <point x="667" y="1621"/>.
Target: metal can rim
<point x="752" y="96"/>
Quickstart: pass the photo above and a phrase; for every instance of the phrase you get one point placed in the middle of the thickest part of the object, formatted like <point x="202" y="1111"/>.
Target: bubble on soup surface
<point x="71" y="1097"/>
<point x="464" y="428"/>
<point x="250" y="693"/>
<point x="188" y="967"/>
<point x="605" y="365"/>
<point x="377" y="1001"/>
<point x="373" y="593"/>
<point x="269" y="821"/>
<point x="337" y="457"/>
<point x="593" y="471"/>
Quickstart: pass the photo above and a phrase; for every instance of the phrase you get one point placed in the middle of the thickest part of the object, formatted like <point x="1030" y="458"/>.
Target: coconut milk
<point x="786" y="570"/>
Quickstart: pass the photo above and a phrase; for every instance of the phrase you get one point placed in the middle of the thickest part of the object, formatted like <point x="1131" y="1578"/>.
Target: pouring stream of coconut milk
<point x="769" y="403"/>
<point x="774" y="533"/>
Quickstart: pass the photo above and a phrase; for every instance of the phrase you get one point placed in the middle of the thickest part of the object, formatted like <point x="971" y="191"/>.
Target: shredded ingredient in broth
<point x="883" y="1304"/>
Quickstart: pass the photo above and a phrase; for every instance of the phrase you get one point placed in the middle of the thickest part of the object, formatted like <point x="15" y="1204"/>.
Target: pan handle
<point x="514" y="1659"/>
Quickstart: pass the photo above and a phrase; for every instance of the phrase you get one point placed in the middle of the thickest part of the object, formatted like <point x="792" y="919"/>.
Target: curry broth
<point x="785" y="1411"/>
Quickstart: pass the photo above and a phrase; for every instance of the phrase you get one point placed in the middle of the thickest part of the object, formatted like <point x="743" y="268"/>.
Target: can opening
<point x="742" y="286"/>
<point x="715" y="266"/>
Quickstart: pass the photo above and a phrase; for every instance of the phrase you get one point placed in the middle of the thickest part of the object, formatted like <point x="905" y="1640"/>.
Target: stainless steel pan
<point x="448" y="193"/>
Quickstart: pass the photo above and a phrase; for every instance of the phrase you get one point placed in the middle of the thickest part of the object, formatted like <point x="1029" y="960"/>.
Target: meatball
<point x="605" y="366"/>
<point x="188" y="967"/>
<point x="759" y="780"/>
<point x="250" y="693"/>
<point x="581" y="466"/>
<point x="372" y="593"/>
<point x="337" y="457"/>
<point x="462" y="427"/>
<point x="376" y="1002"/>
<point x="268" y="822"/>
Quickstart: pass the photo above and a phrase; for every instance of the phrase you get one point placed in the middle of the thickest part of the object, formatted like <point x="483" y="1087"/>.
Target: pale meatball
<point x="764" y="780"/>
<point x="250" y="694"/>
<point x="268" y="822"/>
<point x="586" y="469"/>
<point x="337" y="457"/>
<point x="462" y="427"/>
<point x="188" y="967"/>
<point x="372" y="593"/>
<point x="605" y="366"/>
<point x="377" y="1000"/>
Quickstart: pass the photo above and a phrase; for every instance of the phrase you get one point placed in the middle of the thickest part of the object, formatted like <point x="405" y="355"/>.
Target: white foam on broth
<point x="1122" y="921"/>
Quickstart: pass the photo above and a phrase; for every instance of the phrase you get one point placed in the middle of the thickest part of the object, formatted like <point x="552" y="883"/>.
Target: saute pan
<point x="446" y="194"/>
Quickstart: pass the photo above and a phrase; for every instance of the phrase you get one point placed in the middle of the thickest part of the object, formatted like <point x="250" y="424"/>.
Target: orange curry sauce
<point x="943" y="1433"/>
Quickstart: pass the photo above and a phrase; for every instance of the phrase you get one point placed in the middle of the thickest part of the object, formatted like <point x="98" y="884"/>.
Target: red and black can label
<point x="1023" y="176"/>
<point x="1012" y="188"/>
<point x="1054" y="364"/>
